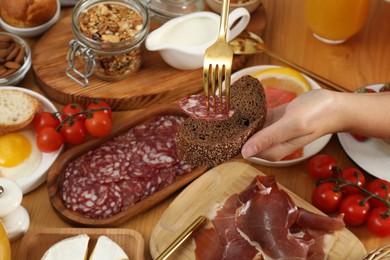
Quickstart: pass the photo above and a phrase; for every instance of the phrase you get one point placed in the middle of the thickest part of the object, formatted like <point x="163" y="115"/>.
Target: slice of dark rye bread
<point x="211" y="143"/>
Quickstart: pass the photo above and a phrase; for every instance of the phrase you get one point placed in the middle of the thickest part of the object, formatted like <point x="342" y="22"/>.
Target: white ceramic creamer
<point x="182" y="41"/>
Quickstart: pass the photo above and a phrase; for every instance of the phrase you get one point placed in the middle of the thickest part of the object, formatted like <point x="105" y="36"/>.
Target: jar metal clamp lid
<point x="90" y="63"/>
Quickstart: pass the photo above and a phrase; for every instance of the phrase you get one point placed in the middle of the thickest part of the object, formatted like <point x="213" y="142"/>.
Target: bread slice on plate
<point x="17" y="109"/>
<point x="201" y="142"/>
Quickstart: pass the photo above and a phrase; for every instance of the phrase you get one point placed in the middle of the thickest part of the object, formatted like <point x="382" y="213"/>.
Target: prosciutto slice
<point x="264" y="220"/>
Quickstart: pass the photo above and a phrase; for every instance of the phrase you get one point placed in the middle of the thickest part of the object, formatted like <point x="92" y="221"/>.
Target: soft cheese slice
<point x="74" y="248"/>
<point x="106" y="249"/>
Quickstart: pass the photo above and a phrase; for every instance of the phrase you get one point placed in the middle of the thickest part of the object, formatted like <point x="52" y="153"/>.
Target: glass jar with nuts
<point x="108" y="39"/>
<point x="15" y="59"/>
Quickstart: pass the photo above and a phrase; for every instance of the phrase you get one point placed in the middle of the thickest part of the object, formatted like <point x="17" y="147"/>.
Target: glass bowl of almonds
<point x="15" y="59"/>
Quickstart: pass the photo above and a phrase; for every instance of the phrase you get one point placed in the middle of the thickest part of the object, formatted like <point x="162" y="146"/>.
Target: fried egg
<point x="19" y="154"/>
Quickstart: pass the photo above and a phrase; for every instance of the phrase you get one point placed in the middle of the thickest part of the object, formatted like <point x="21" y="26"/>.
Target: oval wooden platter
<point x="156" y="82"/>
<point x="214" y="187"/>
<point x="37" y="242"/>
<point x="55" y="176"/>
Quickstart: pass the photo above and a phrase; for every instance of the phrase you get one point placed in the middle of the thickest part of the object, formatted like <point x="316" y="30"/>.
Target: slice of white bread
<point x="75" y="248"/>
<point x="17" y="109"/>
<point x="201" y="142"/>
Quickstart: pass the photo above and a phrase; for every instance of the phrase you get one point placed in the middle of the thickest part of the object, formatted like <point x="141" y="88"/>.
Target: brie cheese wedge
<point x="106" y="249"/>
<point x="75" y="248"/>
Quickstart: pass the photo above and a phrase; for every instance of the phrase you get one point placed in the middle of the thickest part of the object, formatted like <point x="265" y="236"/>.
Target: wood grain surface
<point x="55" y="176"/>
<point x="363" y="59"/>
<point x="156" y="82"/>
<point x="216" y="185"/>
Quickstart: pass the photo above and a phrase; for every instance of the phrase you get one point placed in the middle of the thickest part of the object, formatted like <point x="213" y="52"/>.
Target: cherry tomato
<point x="378" y="222"/>
<point x="355" y="209"/>
<point x="101" y="104"/>
<point x="45" y="119"/>
<point x="49" y="140"/>
<point x="326" y="198"/>
<point x="378" y="187"/>
<point x="320" y="166"/>
<point x="352" y="175"/>
<point x="73" y="108"/>
<point x="74" y="131"/>
<point x="99" y="125"/>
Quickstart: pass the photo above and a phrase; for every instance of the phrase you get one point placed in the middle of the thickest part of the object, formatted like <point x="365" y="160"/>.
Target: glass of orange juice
<point x="334" y="21"/>
<point x="5" y="248"/>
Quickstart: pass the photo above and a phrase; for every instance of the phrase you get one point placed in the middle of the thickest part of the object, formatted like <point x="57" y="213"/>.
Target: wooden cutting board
<point x="156" y="82"/>
<point x="214" y="187"/>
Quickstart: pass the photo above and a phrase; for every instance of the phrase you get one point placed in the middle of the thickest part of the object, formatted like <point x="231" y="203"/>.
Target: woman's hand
<point x="293" y="125"/>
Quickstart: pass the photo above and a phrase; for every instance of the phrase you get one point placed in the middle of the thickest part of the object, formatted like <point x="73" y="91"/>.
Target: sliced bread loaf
<point x="201" y="142"/>
<point x="17" y="109"/>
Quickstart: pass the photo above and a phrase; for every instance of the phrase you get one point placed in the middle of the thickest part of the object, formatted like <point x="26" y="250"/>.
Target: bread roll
<point x="27" y="13"/>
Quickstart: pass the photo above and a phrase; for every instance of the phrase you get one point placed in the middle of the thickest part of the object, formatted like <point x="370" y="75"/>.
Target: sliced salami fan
<point x="195" y="106"/>
<point x="125" y="170"/>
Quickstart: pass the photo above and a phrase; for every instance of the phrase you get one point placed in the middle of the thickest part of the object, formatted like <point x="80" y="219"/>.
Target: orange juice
<point x="5" y="249"/>
<point x="335" y="20"/>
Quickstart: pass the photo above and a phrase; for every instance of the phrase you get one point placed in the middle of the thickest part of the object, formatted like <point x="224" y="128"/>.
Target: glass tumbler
<point x="335" y="21"/>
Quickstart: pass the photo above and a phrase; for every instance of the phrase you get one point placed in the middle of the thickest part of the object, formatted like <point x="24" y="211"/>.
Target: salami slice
<point x="196" y="107"/>
<point x="92" y="199"/>
<point x="125" y="170"/>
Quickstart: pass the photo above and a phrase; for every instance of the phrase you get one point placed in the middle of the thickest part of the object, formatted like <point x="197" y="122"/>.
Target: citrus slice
<point x="283" y="78"/>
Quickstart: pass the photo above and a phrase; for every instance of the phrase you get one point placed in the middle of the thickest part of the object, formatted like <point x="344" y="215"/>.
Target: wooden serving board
<point x="215" y="186"/>
<point x="36" y="243"/>
<point x="156" y="82"/>
<point x="55" y="176"/>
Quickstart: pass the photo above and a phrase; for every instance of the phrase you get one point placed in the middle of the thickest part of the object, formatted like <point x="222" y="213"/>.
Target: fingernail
<point x="249" y="151"/>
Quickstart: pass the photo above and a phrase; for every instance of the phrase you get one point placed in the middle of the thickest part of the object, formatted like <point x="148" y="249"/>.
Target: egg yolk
<point x="14" y="149"/>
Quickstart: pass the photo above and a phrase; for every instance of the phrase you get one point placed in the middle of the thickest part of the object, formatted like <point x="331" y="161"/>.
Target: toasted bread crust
<point x="17" y="110"/>
<point x="201" y="142"/>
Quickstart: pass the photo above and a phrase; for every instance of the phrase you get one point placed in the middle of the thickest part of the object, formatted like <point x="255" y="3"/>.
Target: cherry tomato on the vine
<point x="73" y="108"/>
<point x="320" y="166"/>
<point x="101" y="104"/>
<point x="74" y="131"/>
<point x="378" y="222"/>
<point x="45" y="119"/>
<point x="355" y="176"/>
<point x="49" y="140"/>
<point x="355" y="209"/>
<point x="99" y="124"/>
<point x="378" y="187"/>
<point x="326" y="197"/>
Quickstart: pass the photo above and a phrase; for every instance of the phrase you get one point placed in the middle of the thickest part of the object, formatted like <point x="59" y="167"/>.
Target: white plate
<point x="372" y="155"/>
<point x="310" y="149"/>
<point x="37" y="177"/>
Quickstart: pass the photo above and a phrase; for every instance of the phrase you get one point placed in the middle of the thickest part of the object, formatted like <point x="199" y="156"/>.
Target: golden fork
<point x="217" y="64"/>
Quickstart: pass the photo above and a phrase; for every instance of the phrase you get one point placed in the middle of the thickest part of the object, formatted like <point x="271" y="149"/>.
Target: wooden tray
<point x="214" y="186"/>
<point x="156" y="82"/>
<point x="55" y="175"/>
<point x="36" y="243"/>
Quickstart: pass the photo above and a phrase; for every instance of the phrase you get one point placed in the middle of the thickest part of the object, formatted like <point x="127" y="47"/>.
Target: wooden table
<point x="362" y="60"/>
